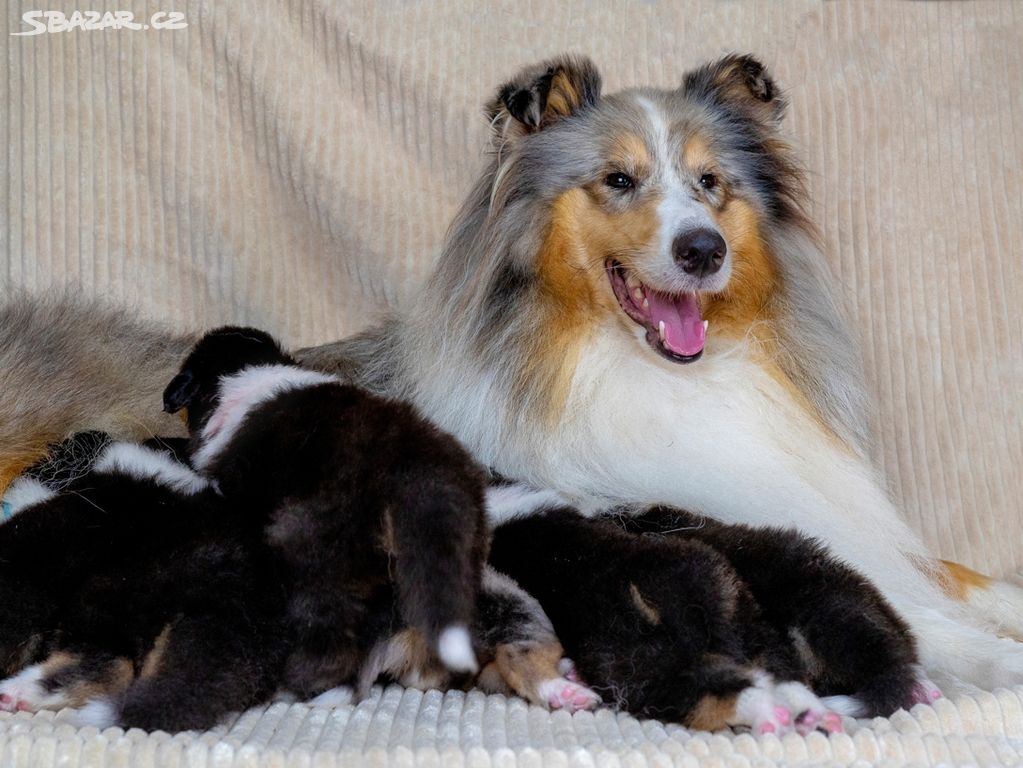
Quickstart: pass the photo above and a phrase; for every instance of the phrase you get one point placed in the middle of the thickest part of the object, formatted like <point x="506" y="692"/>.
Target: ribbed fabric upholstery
<point x="295" y="164"/>
<point x="404" y="728"/>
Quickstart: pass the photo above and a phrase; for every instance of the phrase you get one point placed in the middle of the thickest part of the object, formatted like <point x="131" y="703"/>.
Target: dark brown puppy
<point x="356" y="493"/>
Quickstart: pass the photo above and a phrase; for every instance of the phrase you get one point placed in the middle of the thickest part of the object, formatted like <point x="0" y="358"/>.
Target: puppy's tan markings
<point x="648" y="612"/>
<point x="712" y="713"/>
<point x="58" y="662"/>
<point x="151" y="663"/>
<point x="523" y="667"/>
<point x="114" y="681"/>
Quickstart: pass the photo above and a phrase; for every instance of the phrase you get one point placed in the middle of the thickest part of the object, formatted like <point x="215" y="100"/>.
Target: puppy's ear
<point x="738" y="81"/>
<point x="545" y="93"/>
<point x="180" y="392"/>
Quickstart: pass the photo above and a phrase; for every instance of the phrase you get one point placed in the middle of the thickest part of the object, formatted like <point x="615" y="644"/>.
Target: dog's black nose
<point x="700" y="252"/>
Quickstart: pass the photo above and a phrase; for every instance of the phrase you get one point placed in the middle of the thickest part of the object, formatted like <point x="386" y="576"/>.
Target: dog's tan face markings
<point x="586" y="225"/>
<point x="594" y="222"/>
<point x="746" y="299"/>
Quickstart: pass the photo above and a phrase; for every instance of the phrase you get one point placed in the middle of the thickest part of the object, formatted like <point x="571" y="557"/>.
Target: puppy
<point x="379" y="518"/>
<point x="677" y="617"/>
<point x="354" y="493"/>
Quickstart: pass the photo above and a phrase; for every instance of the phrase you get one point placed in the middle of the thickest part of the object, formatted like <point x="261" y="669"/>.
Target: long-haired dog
<point x="632" y="308"/>
<point x="671" y="615"/>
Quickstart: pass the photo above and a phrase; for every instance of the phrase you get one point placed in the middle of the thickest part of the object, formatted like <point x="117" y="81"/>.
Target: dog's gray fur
<point x="68" y="365"/>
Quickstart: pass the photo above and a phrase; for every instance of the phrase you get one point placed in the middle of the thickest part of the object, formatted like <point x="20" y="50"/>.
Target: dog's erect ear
<point x="545" y="93"/>
<point x="739" y="81"/>
<point x="180" y="392"/>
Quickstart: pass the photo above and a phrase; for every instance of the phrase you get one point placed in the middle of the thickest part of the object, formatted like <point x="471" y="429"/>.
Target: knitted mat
<point x="405" y="727"/>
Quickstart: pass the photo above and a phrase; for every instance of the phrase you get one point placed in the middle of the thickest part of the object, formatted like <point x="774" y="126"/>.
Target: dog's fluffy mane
<point x="480" y="321"/>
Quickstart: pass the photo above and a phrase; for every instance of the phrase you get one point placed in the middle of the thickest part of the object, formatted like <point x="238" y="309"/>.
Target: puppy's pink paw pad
<point x="766" y="728"/>
<point x="562" y="693"/>
<point x="925" y="692"/>
<point x="832" y="723"/>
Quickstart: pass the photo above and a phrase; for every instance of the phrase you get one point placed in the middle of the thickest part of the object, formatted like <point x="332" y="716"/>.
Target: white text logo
<point x="89" y="21"/>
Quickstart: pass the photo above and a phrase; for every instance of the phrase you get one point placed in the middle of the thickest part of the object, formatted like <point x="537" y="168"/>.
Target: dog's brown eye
<point x="618" y="180"/>
<point x="708" y="181"/>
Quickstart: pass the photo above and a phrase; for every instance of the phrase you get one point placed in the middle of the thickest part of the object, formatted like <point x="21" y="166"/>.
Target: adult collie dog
<point x="631" y="308"/>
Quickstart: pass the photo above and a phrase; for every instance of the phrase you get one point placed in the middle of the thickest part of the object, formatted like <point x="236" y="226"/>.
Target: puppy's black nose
<point x="700" y="252"/>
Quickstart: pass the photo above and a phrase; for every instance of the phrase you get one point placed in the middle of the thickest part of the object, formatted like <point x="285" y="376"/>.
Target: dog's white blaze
<point x="144" y="463"/>
<point x="677" y="212"/>
<point x="243" y="391"/>
<point x="454" y="647"/>
<point x="507" y="502"/>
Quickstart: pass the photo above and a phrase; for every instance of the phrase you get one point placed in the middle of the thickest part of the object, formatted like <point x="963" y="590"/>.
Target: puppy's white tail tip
<point x="849" y="706"/>
<point x="454" y="646"/>
<point x="99" y="713"/>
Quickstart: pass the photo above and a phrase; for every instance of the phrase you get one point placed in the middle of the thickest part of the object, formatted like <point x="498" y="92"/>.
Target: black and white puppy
<point x="379" y="518"/>
<point x="674" y="616"/>
<point x="355" y="494"/>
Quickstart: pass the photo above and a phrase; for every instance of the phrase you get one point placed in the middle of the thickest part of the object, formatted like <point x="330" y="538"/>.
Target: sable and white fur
<point x="520" y="346"/>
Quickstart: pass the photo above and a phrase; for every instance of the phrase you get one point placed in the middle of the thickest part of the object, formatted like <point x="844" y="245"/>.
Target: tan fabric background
<point x="294" y="165"/>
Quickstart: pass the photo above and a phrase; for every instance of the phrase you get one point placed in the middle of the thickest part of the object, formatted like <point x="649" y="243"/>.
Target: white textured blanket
<point x="404" y="727"/>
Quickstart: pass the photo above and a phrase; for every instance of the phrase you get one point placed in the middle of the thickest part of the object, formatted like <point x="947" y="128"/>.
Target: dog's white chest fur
<point x="719" y="437"/>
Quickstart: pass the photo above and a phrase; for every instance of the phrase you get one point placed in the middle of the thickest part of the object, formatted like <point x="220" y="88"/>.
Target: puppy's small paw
<point x="759" y="709"/>
<point x="811" y="713"/>
<point x="562" y="693"/>
<point x="23" y="692"/>
<point x="925" y="692"/>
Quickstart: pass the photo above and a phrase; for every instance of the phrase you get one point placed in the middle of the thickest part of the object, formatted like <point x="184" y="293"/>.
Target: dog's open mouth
<point x="674" y="326"/>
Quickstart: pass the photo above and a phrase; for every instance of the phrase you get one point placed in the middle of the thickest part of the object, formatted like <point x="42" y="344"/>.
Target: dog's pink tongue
<point x="684" y="333"/>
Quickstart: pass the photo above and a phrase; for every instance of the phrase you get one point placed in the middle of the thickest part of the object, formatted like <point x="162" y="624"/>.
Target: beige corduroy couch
<point x="294" y="165"/>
